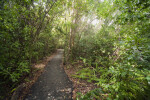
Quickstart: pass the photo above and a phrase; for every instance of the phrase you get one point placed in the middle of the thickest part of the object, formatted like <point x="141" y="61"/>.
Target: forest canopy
<point x="110" y="37"/>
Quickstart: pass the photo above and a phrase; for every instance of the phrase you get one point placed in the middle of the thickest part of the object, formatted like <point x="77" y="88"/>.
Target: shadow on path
<point x="53" y="84"/>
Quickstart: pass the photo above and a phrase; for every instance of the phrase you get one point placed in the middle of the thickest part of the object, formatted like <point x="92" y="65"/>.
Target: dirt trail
<point x="53" y="84"/>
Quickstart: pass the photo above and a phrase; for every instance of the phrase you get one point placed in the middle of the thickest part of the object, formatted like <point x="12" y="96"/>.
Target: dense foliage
<point x="117" y="56"/>
<point x="110" y="37"/>
<point x="26" y="36"/>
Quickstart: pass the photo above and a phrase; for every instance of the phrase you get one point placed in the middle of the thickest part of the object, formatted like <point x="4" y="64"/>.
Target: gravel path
<point x="53" y="84"/>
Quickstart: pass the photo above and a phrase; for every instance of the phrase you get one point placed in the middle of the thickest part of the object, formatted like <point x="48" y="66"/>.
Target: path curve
<point x="53" y="84"/>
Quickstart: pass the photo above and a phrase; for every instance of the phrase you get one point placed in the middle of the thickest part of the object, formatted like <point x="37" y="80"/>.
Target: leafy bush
<point x="117" y="57"/>
<point x="25" y="38"/>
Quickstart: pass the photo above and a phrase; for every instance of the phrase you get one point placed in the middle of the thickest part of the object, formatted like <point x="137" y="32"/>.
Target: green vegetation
<point x="110" y="37"/>
<point x="26" y="35"/>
